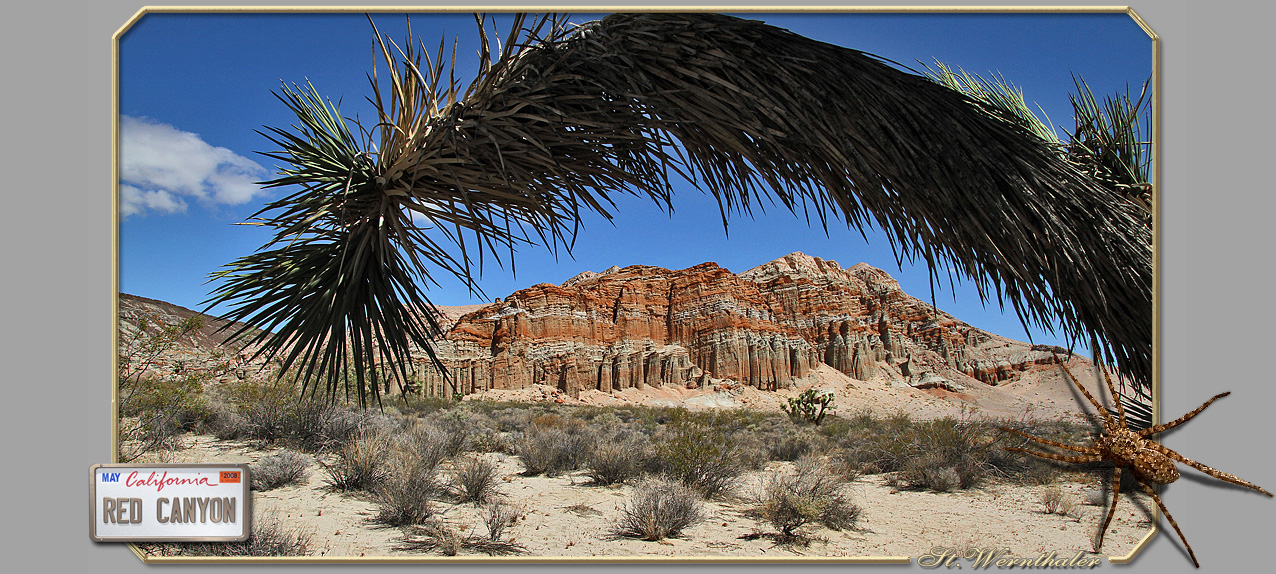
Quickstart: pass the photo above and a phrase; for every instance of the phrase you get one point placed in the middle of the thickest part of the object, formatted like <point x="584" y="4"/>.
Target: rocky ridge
<point x="768" y="328"/>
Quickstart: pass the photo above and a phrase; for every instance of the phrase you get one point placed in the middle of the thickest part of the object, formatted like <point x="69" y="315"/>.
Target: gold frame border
<point x="115" y="115"/>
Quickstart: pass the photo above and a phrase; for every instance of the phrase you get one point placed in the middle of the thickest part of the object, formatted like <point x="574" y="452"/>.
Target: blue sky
<point x="195" y="87"/>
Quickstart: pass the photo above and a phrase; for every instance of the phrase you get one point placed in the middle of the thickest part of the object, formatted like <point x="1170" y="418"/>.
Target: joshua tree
<point x="561" y="118"/>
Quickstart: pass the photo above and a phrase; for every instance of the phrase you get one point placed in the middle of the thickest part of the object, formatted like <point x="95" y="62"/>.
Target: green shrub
<point x="158" y="401"/>
<point x="698" y="456"/>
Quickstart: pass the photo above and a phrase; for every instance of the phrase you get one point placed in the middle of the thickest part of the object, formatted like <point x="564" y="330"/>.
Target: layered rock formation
<point x="767" y="327"/>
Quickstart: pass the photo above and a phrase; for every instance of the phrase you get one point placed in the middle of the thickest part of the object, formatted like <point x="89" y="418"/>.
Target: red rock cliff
<point x="766" y="327"/>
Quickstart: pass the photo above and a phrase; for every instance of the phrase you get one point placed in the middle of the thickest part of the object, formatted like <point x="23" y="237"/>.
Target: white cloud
<point x="134" y="201"/>
<point x="161" y="165"/>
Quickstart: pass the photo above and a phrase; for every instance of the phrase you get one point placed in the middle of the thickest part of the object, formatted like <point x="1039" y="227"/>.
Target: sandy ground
<point x="566" y="517"/>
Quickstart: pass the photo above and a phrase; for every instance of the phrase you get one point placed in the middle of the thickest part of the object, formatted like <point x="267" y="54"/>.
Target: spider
<point x="1146" y="460"/>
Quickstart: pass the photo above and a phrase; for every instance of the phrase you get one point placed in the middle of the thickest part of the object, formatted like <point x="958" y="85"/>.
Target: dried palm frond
<point x="563" y="117"/>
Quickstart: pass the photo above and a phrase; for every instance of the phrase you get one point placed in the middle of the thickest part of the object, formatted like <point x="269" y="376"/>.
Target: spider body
<point x="1149" y="461"/>
<point x="1129" y="450"/>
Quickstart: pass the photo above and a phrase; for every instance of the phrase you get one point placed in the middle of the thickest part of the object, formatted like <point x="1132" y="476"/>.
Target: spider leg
<point x="1147" y="487"/>
<point x="1214" y="472"/>
<point x="1115" y="397"/>
<point x="1176" y="422"/>
<point x="1102" y="411"/>
<point x="1081" y="449"/>
<point x="1059" y="457"/>
<point x="1116" y="495"/>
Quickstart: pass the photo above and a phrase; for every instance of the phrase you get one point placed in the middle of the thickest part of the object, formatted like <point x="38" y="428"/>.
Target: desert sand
<point x="567" y="517"/>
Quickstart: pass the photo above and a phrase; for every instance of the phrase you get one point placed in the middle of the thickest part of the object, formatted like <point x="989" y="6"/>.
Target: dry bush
<point x="617" y="459"/>
<point x="422" y="442"/>
<point x="436" y="535"/>
<point x="280" y="469"/>
<point x="406" y="496"/>
<point x="361" y="462"/>
<point x="268" y="538"/>
<point x="659" y="509"/>
<point x="552" y="450"/>
<point x="457" y="429"/>
<point x="474" y="480"/>
<point x="500" y="515"/>
<point x="1056" y="501"/>
<point x="812" y="494"/>
<point x="790" y="444"/>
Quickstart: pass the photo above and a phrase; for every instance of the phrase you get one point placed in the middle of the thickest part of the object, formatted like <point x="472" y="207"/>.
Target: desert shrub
<point x="409" y="484"/>
<point x="698" y="456"/>
<point x="659" y="509"/>
<point x="617" y="459"/>
<point x="552" y="450"/>
<point x="751" y="451"/>
<point x="498" y="517"/>
<point x="1025" y="468"/>
<point x="946" y="454"/>
<point x="416" y="405"/>
<point x="810" y="406"/>
<point x="226" y="422"/>
<point x="436" y="535"/>
<point x="280" y="469"/>
<point x="488" y="440"/>
<point x="474" y="480"/>
<point x="1055" y="501"/>
<point x="940" y="455"/>
<point x="158" y="401"/>
<point x="273" y="411"/>
<point x="789" y="444"/>
<point x="268" y="538"/>
<point x="422" y="443"/>
<point x="511" y="419"/>
<point x="406" y="496"/>
<point x="361" y="462"/>
<point x="834" y="427"/>
<point x="455" y="430"/>
<point x="812" y="494"/>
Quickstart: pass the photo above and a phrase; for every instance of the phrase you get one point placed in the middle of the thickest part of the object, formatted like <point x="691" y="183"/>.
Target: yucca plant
<point x="561" y="118"/>
<point x="1112" y="143"/>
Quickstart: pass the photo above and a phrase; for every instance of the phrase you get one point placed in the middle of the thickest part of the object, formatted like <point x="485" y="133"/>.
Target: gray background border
<point x="1216" y="320"/>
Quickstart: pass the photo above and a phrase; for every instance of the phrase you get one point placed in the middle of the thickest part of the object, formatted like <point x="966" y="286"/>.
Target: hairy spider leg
<point x="1147" y="487"/>
<point x="1059" y="457"/>
<point x="1116" y="495"/>
<point x="1107" y="419"/>
<point x="1182" y="419"/>
<point x="1113" y="393"/>
<point x="1214" y="472"/>
<point x="1073" y="448"/>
